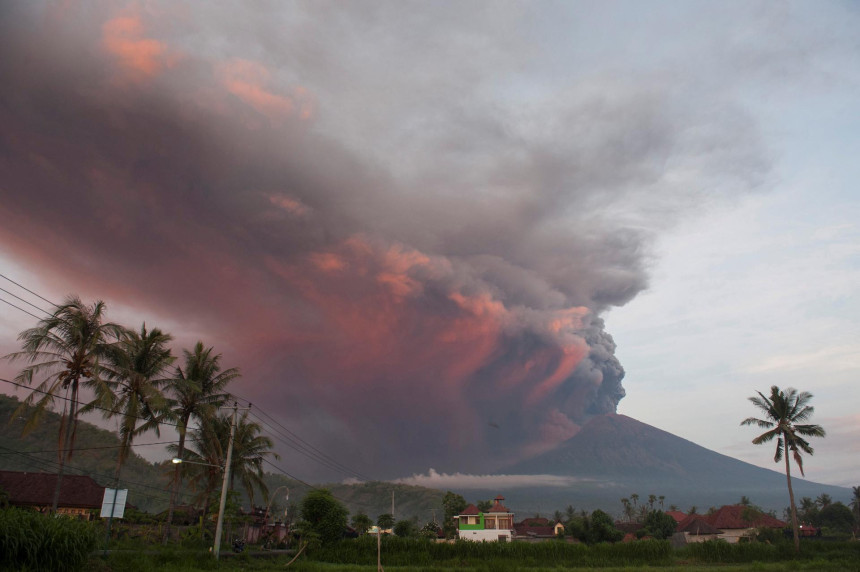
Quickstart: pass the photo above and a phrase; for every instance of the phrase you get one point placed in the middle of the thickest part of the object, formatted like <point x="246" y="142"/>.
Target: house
<point x="536" y="529"/>
<point x="696" y="529"/>
<point x="497" y="524"/>
<point x="677" y="515"/>
<point x="80" y="495"/>
<point x="737" y="522"/>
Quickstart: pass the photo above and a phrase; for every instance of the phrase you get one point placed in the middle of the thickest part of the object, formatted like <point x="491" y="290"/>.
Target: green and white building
<point x="497" y="524"/>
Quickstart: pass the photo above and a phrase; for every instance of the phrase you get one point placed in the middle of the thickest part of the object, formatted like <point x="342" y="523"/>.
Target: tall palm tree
<point x="196" y="394"/>
<point x="784" y="413"/>
<point x="209" y="452"/>
<point x="855" y="506"/>
<point x="65" y="351"/>
<point x="136" y="375"/>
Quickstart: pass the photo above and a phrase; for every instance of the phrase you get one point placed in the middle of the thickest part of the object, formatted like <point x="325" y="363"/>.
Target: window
<point x="489" y="523"/>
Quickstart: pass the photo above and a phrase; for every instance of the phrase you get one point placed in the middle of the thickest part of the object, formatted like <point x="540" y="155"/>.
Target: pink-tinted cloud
<point x="124" y="38"/>
<point x="249" y="81"/>
<point x="403" y="321"/>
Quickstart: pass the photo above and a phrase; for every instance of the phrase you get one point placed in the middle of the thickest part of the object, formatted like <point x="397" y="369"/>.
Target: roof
<point x="740" y="516"/>
<point x="37" y="489"/>
<point x="498" y="507"/>
<point x="534" y="531"/>
<point x="471" y="510"/>
<point x="677" y="515"/>
<point x="696" y="525"/>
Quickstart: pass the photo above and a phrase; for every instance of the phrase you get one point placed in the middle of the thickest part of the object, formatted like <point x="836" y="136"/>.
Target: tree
<point x="324" y="515"/>
<point x="430" y="531"/>
<point x="745" y="501"/>
<point x="659" y="524"/>
<point x="361" y="523"/>
<point x="837" y="516"/>
<point x="211" y="440"/>
<point x="405" y="529"/>
<point x="484" y="505"/>
<point x="600" y="528"/>
<point x="452" y="505"/>
<point x="785" y="412"/>
<point x="65" y="350"/>
<point x="824" y="500"/>
<point x="855" y="499"/>
<point x="385" y="521"/>
<point x="136" y="375"/>
<point x="855" y="504"/>
<point x="628" y="509"/>
<point x="196" y="393"/>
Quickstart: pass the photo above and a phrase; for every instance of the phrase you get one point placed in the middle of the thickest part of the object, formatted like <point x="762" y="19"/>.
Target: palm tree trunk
<point x="125" y="445"/>
<point x="793" y="507"/>
<point x="67" y="445"/>
<point x="177" y="482"/>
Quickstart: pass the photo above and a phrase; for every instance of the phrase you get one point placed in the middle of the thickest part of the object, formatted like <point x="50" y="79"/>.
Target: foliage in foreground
<point x="33" y="541"/>
<point x="410" y="551"/>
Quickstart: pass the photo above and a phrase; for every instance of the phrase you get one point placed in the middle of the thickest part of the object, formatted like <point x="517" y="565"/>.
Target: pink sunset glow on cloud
<point x="249" y="81"/>
<point x="141" y="57"/>
<point x="402" y="275"/>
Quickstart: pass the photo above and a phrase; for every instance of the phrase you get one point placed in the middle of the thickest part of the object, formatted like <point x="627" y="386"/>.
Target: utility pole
<point x="216" y="550"/>
<point x="392" y="503"/>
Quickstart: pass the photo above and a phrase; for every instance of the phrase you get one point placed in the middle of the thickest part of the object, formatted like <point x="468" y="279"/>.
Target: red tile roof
<point x="740" y="516"/>
<point x="471" y="510"/>
<point x="534" y="531"/>
<point x="697" y="525"/>
<point x="37" y="489"/>
<point x="498" y="507"/>
<point x="677" y="515"/>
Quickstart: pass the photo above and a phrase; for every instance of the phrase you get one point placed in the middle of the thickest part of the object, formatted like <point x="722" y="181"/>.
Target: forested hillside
<point x="94" y="455"/>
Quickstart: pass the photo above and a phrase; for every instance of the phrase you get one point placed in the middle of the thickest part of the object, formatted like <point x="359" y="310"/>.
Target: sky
<point x="438" y="238"/>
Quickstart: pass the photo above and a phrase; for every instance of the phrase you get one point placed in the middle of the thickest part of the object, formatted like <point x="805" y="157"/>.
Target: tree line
<point x="132" y="376"/>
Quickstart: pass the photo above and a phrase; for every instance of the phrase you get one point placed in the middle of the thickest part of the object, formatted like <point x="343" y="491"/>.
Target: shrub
<point x="30" y="540"/>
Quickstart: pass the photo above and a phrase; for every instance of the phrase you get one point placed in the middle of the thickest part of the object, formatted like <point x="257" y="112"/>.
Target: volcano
<point x="614" y="456"/>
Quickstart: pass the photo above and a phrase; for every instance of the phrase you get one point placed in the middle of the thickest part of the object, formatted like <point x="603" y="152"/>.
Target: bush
<point x="30" y="540"/>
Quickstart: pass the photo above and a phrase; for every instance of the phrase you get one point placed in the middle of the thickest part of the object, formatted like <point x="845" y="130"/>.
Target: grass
<point x="843" y="556"/>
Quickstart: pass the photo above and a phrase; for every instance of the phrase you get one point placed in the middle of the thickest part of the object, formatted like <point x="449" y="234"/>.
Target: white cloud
<point x="437" y="480"/>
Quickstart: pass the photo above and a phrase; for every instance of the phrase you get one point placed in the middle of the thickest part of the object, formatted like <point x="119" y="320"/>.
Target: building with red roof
<point x="740" y="521"/>
<point x="79" y="495"/>
<point x="497" y="524"/>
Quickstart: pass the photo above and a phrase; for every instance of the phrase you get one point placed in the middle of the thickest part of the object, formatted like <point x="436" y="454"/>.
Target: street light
<point x="177" y="460"/>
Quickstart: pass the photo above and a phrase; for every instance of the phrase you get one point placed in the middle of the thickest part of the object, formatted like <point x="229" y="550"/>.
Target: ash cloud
<point x="408" y="275"/>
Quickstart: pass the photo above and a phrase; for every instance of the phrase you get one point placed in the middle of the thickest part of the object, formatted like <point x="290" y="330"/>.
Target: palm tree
<point x="855" y="505"/>
<point x="209" y="452"/>
<point x="824" y="500"/>
<point x="65" y="350"/>
<point x="784" y="412"/>
<point x="197" y="392"/>
<point x="136" y="375"/>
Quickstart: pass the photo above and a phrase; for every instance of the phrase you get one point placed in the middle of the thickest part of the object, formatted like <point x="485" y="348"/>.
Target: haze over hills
<point x="610" y="458"/>
<point x="614" y="455"/>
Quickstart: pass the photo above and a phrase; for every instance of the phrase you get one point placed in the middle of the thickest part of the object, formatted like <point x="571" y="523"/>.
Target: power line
<point x="20" y="308"/>
<point x="112" y="411"/>
<point x="24" y="300"/>
<point x="52" y="464"/>
<point x="77" y="449"/>
<point x="298" y="444"/>
<point x="287" y="436"/>
<point x="27" y="289"/>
